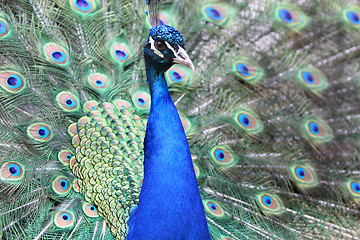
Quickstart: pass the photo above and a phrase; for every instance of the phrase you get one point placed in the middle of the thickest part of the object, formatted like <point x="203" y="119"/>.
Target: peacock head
<point x="164" y="48"/>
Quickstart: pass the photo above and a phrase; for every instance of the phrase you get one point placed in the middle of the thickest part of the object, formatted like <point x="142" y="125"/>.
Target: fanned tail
<point x="271" y="115"/>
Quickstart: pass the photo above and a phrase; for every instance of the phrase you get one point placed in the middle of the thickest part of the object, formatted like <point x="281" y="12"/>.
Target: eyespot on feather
<point x="222" y="156"/>
<point x="247" y="120"/>
<point x="83" y="6"/>
<point x="56" y="54"/>
<point x="12" y="81"/>
<point x="351" y="17"/>
<point x="90" y="210"/>
<point x="247" y="70"/>
<point x="303" y="175"/>
<point x="316" y="131"/>
<point x="4" y="28"/>
<point x="64" y="156"/>
<point x="270" y="203"/>
<point x="214" y="208"/>
<point x="39" y="132"/>
<point x="64" y="219"/>
<point x="11" y="171"/>
<point x="120" y="52"/>
<point x="141" y="101"/>
<point x="312" y="79"/>
<point x="351" y="189"/>
<point x="179" y="75"/>
<point x="98" y="81"/>
<point x="355" y="188"/>
<point x="122" y="104"/>
<point x="61" y="185"/>
<point x="219" y="14"/>
<point x="292" y="17"/>
<point x="90" y="106"/>
<point x="67" y="101"/>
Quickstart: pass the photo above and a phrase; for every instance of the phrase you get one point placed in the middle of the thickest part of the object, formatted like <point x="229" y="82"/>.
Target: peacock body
<point x="271" y="115"/>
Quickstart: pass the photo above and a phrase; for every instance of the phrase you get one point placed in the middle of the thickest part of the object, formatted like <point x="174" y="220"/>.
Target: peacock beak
<point x="181" y="57"/>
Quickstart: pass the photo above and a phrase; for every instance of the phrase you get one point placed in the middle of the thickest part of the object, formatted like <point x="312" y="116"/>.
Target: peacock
<point x="209" y="119"/>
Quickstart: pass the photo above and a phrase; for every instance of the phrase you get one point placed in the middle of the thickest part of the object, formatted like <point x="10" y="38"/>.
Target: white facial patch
<point x="180" y="56"/>
<point x="152" y="47"/>
<point x="171" y="48"/>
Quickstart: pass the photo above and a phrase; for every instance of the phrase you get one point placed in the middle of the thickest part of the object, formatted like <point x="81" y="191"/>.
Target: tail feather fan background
<point x="271" y="115"/>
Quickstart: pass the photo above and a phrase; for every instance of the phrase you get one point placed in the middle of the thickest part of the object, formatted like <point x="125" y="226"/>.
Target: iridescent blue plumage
<point x="170" y="205"/>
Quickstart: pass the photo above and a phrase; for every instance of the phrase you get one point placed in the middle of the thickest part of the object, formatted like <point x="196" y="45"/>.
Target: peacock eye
<point x="160" y="45"/>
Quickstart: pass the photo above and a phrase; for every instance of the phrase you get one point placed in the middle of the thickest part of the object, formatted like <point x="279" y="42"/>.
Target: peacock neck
<point x="170" y="205"/>
<point x="157" y="84"/>
<point x="164" y="127"/>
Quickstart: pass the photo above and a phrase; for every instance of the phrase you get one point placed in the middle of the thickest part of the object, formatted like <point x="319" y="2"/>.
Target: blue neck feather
<point x="170" y="205"/>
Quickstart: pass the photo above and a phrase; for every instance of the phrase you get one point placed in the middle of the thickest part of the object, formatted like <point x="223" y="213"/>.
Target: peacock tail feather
<point x="271" y="115"/>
